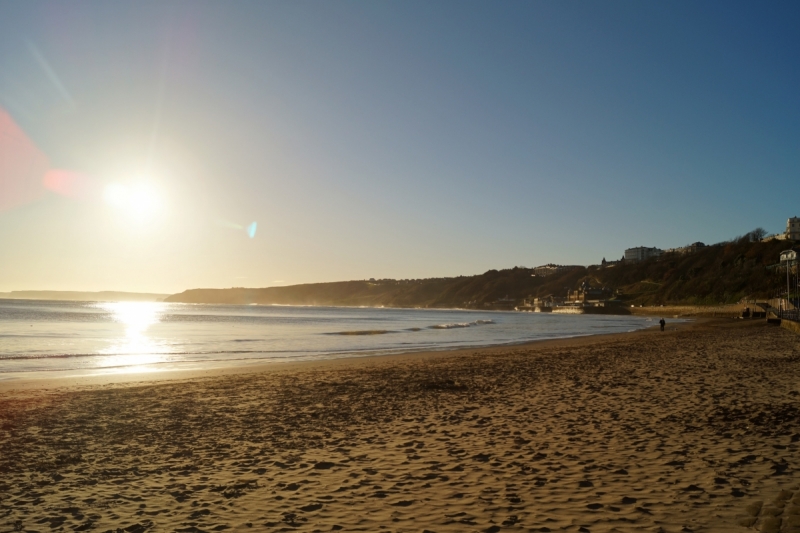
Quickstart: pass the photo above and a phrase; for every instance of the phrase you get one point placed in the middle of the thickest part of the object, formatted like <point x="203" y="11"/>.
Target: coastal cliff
<point x="721" y="273"/>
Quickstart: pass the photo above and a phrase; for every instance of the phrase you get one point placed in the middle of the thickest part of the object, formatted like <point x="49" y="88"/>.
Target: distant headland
<point x="100" y="296"/>
<point x="698" y="274"/>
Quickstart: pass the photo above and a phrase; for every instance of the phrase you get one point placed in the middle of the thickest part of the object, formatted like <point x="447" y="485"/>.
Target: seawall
<point x="791" y="325"/>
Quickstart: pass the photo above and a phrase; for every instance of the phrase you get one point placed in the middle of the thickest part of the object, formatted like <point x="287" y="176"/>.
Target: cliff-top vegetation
<point x="722" y="273"/>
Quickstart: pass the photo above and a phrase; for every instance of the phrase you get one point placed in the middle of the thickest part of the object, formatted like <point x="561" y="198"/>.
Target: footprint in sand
<point x="781" y="514"/>
<point x="311" y="507"/>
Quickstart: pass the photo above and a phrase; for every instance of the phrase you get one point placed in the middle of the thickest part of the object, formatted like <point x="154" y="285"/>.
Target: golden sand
<point x="686" y="430"/>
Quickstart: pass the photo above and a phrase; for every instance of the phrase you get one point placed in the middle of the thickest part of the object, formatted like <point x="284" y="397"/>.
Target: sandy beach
<point x="693" y="429"/>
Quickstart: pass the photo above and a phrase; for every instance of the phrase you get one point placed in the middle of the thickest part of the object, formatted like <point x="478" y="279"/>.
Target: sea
<point x="86" y="338"/>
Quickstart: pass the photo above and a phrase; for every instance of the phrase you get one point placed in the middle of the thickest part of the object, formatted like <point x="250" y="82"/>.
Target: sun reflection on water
<point x="135" y="347"/>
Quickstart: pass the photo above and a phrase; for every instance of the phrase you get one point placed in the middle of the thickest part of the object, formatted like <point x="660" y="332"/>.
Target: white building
<point x="688" y="249"/>
<point x="793" y="229"/>
<point x="641" y="253"/>
<point x="550" y="268"/>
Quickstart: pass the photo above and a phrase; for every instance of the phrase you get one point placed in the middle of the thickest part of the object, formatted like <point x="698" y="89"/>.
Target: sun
<point x="139" y="200"/>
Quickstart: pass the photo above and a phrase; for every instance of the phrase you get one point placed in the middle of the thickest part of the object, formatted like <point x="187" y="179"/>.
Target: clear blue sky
<point x="391" y="139"/>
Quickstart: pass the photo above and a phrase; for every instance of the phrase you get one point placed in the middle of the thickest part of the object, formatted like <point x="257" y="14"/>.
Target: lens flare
<point x="22" y="165"/>
<point x="68" y="183"/>
<point x="250" y="229"/>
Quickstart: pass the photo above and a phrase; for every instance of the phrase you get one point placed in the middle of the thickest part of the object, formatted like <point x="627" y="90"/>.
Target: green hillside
<point x="723" y="273"/>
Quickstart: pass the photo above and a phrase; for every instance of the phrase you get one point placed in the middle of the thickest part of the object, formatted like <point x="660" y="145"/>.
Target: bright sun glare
<point x="139" y="200"/>
<point x="135" y="346"/>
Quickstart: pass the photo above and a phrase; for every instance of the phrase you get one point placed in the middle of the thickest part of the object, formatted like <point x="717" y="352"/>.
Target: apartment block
<point x="641" y="253"/>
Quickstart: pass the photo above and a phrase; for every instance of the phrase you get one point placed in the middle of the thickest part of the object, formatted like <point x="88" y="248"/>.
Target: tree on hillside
<point x="757" y="234"/>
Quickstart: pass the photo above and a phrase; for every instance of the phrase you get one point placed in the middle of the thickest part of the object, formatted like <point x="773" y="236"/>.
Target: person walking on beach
<point x="662" y="324"/>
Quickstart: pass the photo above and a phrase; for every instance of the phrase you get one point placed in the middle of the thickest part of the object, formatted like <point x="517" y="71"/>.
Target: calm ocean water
<point x="89" y="337"/>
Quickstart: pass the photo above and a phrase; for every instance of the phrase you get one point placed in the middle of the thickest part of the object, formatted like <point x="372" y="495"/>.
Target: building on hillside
<point x="690" y="249"/>
<point x="609" y="264"/>
<point x="641" y="253"/>
<point x="543" y="304"/>
<point x="588" y="294"/>
<point x="790" y="256"/>
<point x="793" y="229"/>
<point x="550" y="269"/>
<point x="693" y="248"/>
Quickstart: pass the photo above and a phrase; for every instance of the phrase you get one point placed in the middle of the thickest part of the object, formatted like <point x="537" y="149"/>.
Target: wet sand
<point x="686" y="430"/>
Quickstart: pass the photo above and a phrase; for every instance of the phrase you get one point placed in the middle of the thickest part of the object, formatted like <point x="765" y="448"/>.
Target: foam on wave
<point x="462" y="324"/>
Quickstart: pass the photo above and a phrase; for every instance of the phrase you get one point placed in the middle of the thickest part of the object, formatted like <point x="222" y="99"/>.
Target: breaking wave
<point x="363" y="332"/>
<point x="462" y="324"/>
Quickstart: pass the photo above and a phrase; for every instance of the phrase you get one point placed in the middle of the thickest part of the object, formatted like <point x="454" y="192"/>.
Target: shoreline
<point x="80" y="358"/>
<point x="60" y="379"/>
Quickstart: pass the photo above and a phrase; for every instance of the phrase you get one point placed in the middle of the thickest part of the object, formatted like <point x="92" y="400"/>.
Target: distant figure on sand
<point x="662" y="324"/>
